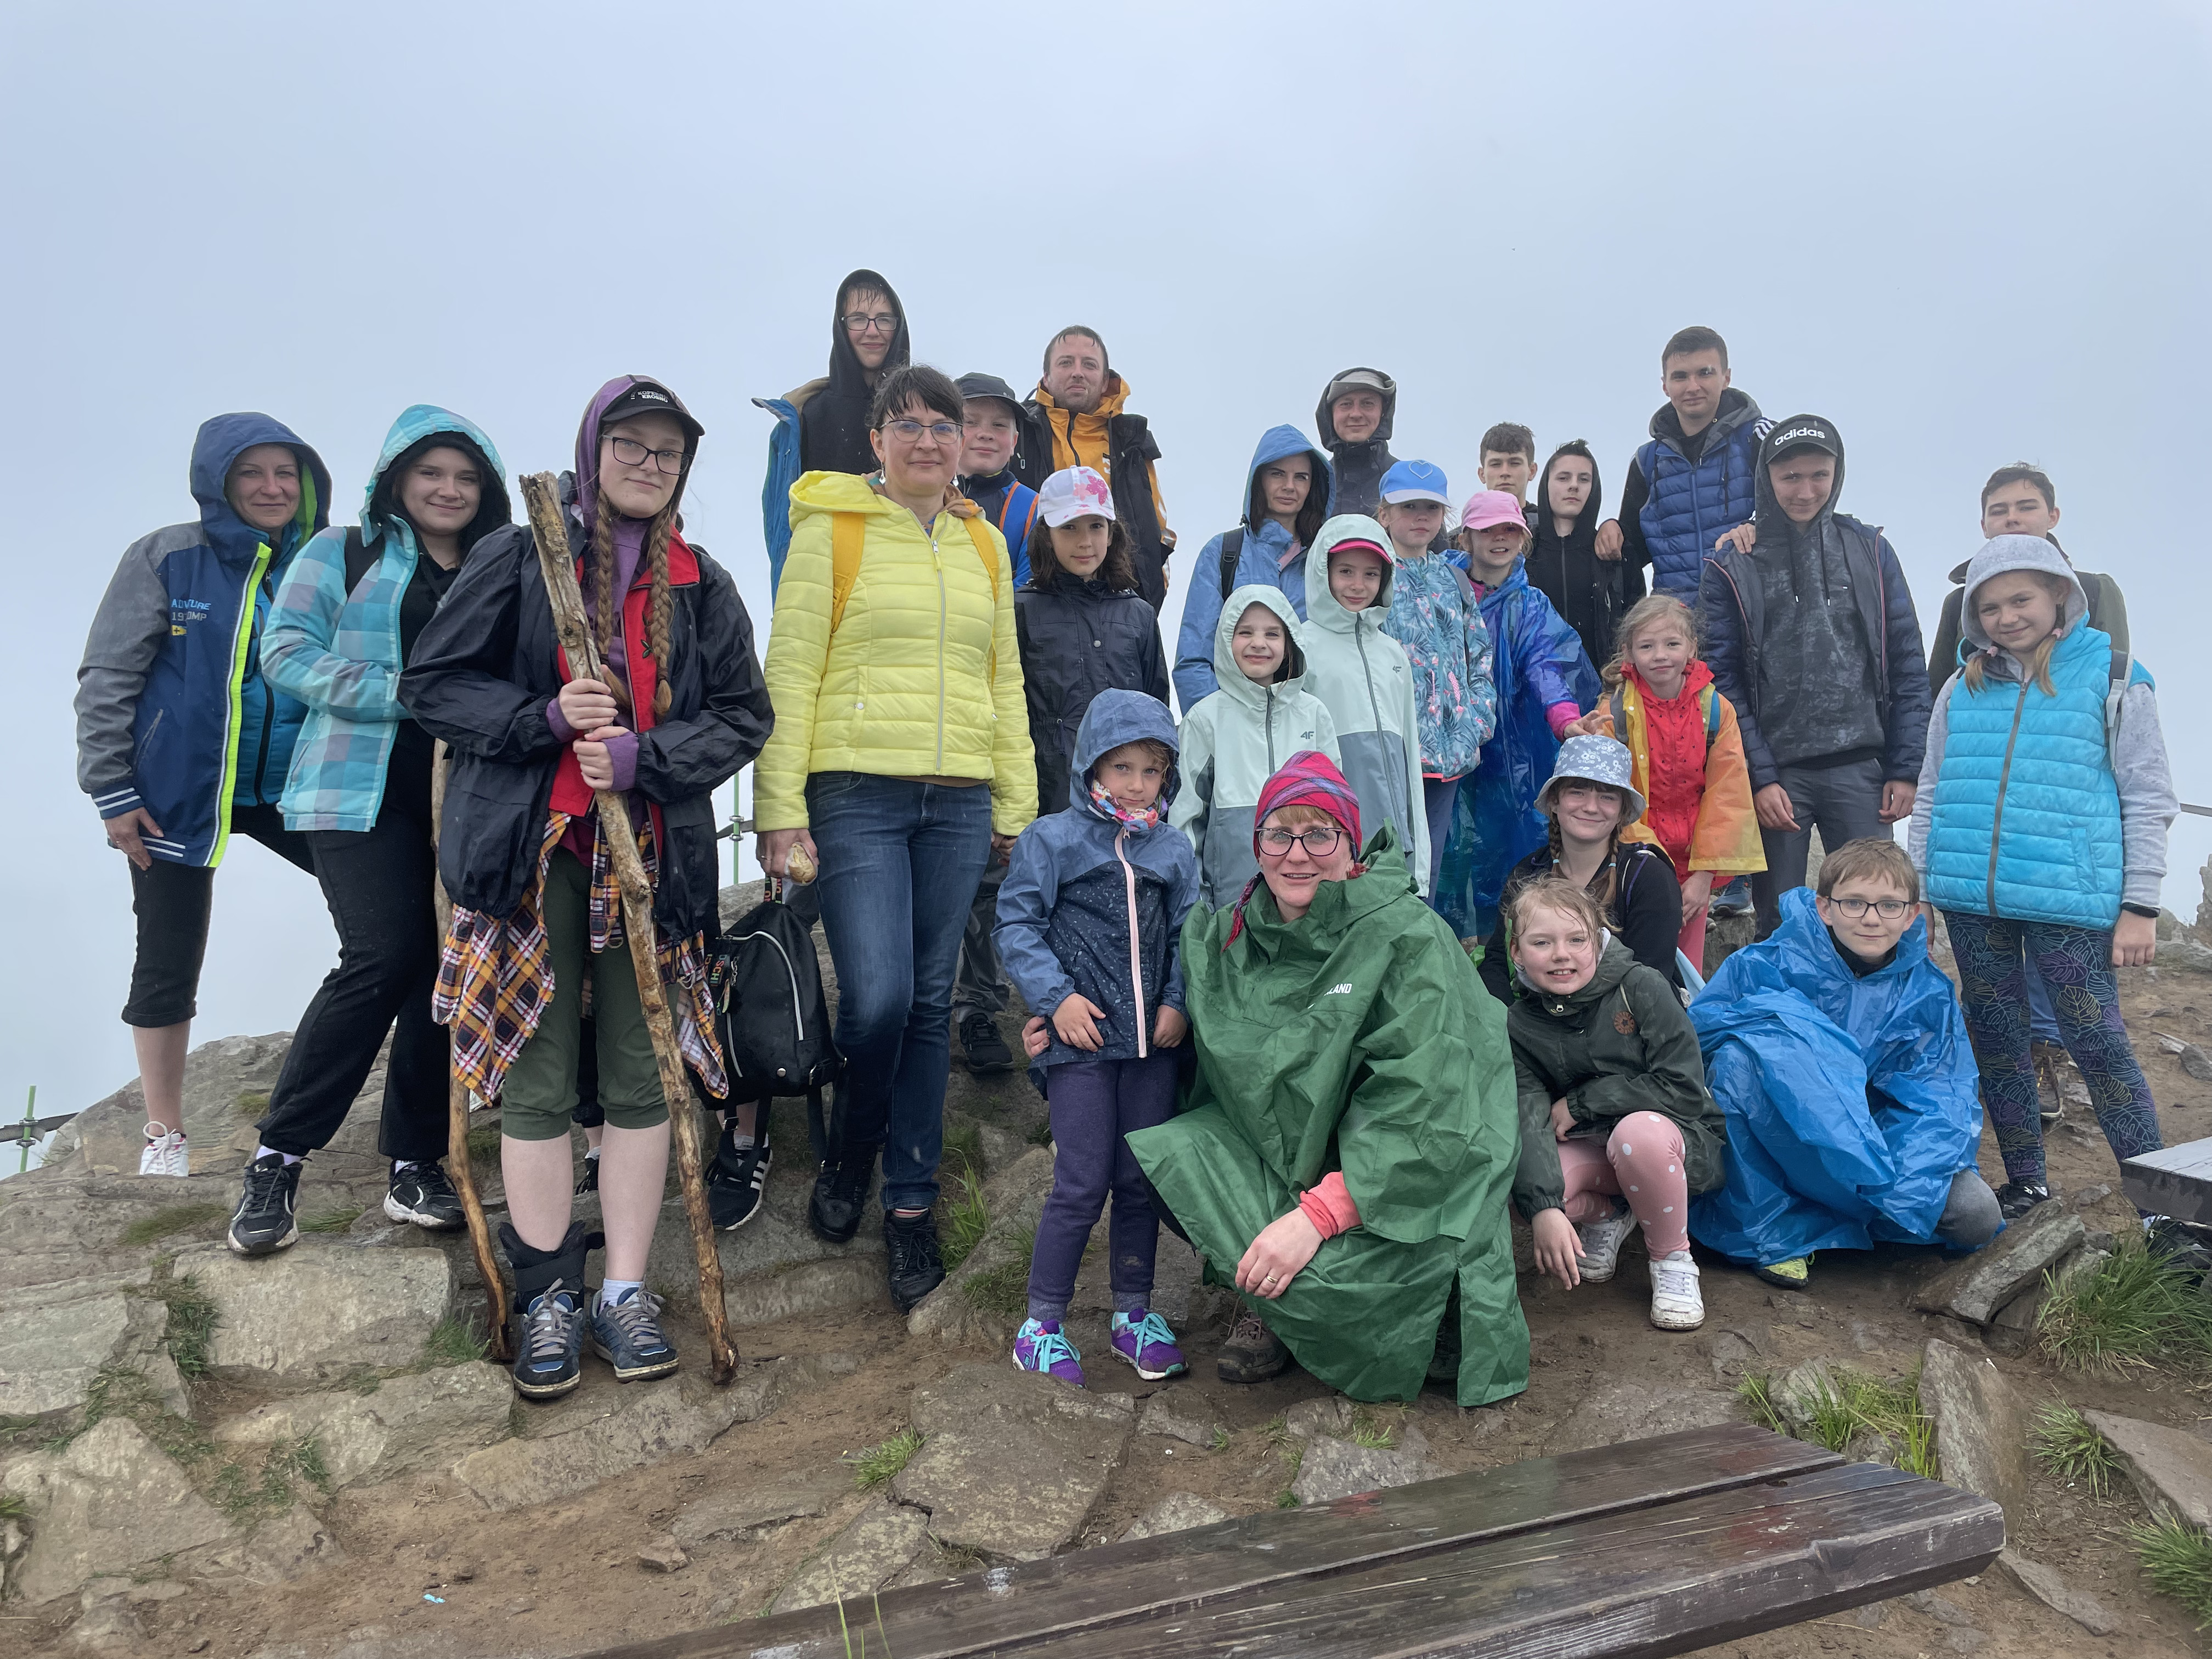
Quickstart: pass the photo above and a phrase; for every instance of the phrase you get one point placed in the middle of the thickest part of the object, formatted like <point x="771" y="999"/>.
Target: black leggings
<point x="172" y="903"/>
<point x="378" y="883"/>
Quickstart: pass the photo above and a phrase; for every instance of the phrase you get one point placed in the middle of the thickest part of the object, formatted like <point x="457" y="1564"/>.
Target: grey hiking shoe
<point x="627" y="1335"/>
<point x="1253" y="1353"/>
<point x="549" y="1358"/>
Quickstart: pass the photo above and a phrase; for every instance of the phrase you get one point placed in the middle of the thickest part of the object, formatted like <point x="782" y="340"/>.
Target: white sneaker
<point x="1677" y="1302"/>
<point x="1599" y="1250"/>
<point x="165" y="1153"/>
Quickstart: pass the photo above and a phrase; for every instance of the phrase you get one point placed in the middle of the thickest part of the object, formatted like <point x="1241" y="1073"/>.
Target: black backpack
<point x="766" y="986"/>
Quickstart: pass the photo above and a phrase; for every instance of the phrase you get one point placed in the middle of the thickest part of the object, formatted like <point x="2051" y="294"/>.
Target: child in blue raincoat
<point x="1544" y="679"/>
<point x="1838" y="1053"/>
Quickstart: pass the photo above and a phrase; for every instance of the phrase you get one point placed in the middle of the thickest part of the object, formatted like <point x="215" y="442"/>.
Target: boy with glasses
<point x="1838" y="1052"/>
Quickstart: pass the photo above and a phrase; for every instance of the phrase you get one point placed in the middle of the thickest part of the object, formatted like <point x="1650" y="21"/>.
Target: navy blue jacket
<point x="1093" y="905"/>
<point x="1681" y="508"/>
<point x="173" y="713"/>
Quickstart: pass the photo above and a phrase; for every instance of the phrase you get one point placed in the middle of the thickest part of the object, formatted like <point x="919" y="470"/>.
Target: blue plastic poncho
<point x="1851" y="1101"/>
<point x="1536" y="660"/>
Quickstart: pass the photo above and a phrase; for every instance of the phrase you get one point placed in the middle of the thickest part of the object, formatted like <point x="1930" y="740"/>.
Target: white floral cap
<point x="1075" y="492"/>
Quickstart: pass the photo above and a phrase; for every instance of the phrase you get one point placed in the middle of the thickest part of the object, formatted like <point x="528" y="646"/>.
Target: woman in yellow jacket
<point x="900" y="761"/>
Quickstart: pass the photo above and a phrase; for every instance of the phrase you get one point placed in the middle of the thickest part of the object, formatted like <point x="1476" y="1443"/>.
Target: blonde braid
<point x="660" y="610"/>
<point x="604" y="603"/>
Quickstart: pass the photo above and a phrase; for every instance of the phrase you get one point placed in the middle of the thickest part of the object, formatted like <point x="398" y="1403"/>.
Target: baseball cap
<point x="1416" y="481"/>
<point x="647" y="397"/>
<point x="1803" y="432"/>
<point x="988" y="385"/>
<point x="1074" y="492"/>
<point x="1487" y="508"/>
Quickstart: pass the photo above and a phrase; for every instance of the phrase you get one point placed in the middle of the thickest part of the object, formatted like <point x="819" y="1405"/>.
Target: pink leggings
<point x="1691" y="942"/>
<point x="1641" y="1161"/>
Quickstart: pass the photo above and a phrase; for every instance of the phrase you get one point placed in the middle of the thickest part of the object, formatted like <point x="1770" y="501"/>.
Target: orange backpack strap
<point x="848" y="533"/>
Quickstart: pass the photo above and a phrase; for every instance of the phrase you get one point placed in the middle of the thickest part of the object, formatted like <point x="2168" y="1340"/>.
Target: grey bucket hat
<point x="1594" y="760"/>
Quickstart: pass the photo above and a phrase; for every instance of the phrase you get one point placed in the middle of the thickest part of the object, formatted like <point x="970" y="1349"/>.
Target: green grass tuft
<point x="333" y="1221"/>
<point x="250" y="1104"/>
<point x="1849" y="1402"/>
<point x="1370" y="1430"/>
<point x="2070" y="1451"/>
<point x="1041" y="1135"/>
<point x="1286" y="1499"/>
<point x="1220" y="1440"/>
<point x="483" y="1142"/>
<point x="1004" y="1289"/>
<point x="964" y="1141"/>
<point x="1757" y="1392"/>
<point x="2176" y="1559"/>
<point x="2137" y="1311"/>
<point x="193" y="1317"/>
<point x="454" y="1342"/>
<point x="963" y="1217"/>
<point x="12" y="1508"/>
<point x="172" y="1219"/>
<point x="879" y="1465"/>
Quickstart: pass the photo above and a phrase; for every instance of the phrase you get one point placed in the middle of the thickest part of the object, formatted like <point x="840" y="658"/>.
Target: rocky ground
<point x="200" y="1455"/>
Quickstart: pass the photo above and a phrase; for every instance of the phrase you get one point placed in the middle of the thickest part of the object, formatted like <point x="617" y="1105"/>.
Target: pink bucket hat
<point x="1074" y="492"/>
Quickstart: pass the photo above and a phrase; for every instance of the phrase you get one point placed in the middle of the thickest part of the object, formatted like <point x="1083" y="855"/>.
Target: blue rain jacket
<point x="1851" y="1101"/>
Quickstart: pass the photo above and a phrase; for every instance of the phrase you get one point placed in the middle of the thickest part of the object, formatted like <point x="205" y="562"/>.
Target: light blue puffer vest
<point x="2025" y="823"/>
<point x="1689" y="506"/>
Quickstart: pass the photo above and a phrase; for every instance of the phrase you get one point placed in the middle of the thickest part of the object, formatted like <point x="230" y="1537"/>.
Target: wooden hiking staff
<point x="541" y="495"/>
<point x="457" y="1121"/>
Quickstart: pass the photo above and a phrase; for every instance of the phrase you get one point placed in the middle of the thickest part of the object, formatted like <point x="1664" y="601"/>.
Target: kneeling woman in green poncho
<point x="1351" y="1139"/>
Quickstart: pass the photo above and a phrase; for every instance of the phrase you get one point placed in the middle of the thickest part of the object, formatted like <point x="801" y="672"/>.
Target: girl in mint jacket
<point x="2039" y="829"/>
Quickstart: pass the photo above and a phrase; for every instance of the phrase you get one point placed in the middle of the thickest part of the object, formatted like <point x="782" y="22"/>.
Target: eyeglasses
<point x="1318" y="841"/>
<point x="909" y="432"/>
<point x="1888" y="909"/>
<point x="631" y="453"/>
<point x="860" y="323"/>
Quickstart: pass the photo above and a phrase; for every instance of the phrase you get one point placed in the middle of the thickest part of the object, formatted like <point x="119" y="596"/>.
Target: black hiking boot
<point x="548" y="1312"/>
<point x="1253" y="1353"/>
<point x="916" y="1266"/>
<point x="738" y="1178"/>
<point x="842" y="1188"/>
<point x="2016" y="1198"/>
<point x="263" y="1223"/>
<point x="981" y="1046"/>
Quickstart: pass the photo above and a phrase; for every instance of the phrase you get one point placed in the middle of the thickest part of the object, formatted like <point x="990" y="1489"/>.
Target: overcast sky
<point x="1968" y="233"/>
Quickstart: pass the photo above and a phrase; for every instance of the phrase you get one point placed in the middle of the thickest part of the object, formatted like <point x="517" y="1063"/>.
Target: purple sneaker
<point x="1144" y="1340"/>
<point x="1039" y="1346"/>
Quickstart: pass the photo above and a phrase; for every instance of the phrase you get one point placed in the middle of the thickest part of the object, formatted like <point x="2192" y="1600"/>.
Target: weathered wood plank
<point x="1278" y="1552"/>
<point x="2176" y="1182"/>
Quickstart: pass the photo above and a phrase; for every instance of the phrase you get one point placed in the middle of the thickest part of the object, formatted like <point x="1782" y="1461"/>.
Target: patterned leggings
<point x="2076" y="963"/>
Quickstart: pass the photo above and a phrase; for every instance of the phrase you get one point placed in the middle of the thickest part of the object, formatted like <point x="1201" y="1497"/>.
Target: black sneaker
<point x="264" y="1224"/>
<point x="841" y="1194"/>
<point x="984" y="1049"/>
<point x="627" y="1336"/>
<point x="589" y="1180"/>
<point x="2016" y="1198"/>
<point x="916" y="1266"/>
<point x="736" y="1181"/>
<point x="549" y="1358"/>
<point x="422" y="1194"/>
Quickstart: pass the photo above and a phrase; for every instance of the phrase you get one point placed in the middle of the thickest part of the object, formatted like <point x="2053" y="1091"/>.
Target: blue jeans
<point x="900" y="864"/>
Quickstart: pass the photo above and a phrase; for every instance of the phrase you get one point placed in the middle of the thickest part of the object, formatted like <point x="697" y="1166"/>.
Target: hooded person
<point x="1350" y="1137"/>
<point x="1079" y="416"/>
<point x="1590" y="592"/>
<point x="1289" y="490"/>
<point x="1812" y="636"/>
<point x="823" y="426"/>
<point x="1365" y="679"/>
<point x="348" y="617"/>
<point x="1234" y="742"/>
<point x="181" y="739"/>
<point x="1359" y="439"/>
<point x="1090" y="919"/>
<point x="534" y="748"/>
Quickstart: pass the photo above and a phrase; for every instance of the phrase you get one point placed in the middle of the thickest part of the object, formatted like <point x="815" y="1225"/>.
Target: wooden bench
<point x="1650" y="1547"/>
<point x="2177" y="1181"/>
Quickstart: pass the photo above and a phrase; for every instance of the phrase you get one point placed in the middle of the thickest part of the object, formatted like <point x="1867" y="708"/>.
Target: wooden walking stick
<point x="457" y="1124"/>
<point x="541" y="495"/>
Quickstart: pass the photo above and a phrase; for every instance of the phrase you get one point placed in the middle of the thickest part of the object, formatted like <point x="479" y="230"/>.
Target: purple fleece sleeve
<point x="562" y="730"/>
<point x="622" y="752"/>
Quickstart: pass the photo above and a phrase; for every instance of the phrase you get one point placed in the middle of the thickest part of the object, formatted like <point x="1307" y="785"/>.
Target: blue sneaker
<point x="1144" y="1340"/>
<point x="627" y="1335"/>
<point x="1039" y="1346"/>
<point x="548" y="1360"/>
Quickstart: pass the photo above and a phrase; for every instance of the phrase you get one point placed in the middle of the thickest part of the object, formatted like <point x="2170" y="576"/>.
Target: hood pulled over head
<point x="1798" y="432"/>
<point x="1323" y="609"/>
<point x="422" y="428"/>
<point x="1280" y="443"/>
<point x="1586" y="521"/>
<point x="618" y="395"/>
<point x="220" y="441"/>
<point x="1115" y="717"/>
<point x="2001" y="554"/>
<point x="1356" y="380"/>
<point x="846" y="373"/>
<point x="1226" y="673"/>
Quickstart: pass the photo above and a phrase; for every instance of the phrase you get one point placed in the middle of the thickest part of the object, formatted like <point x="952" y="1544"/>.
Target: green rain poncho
<point x="1356" y="1038"/>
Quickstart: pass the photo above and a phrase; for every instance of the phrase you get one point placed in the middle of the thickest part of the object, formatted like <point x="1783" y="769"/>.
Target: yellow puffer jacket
<point x="923" y="677"/>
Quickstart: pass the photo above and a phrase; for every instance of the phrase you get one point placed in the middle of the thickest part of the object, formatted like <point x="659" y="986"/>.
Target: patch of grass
<point x="2070" y="1451"/>
<point x="2137" y="1311"/>
<point x="250" y="1104"/>
<point x="1757" y="1393"/>
<point x="1041" y="1135"/>
<point x="963" y="1217"/>
<point x="245" y="1493"/>
<point x="1277" y="1431"/>
<point x="1004" y="1289"/>
<point x="193" y="1317"/>
<point x="454" y="1342"/>
<point x="1851" y="1401"/>
<point x="171" y="1218"/>
<point x="1370" y="1430"/>
<point x="333" y="1221"/>
<point x="1286" y="1499"/>
<point x="483" y="1142"/>
<point x="1220" y="1439"/>
<point x="964" y="1141"/>
<point x="879" y="1465"/>
<point x="2176" y="1559"/>
<point x="12" y="1508"/>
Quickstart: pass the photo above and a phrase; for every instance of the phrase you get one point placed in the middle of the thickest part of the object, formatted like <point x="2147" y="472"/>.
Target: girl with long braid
<point x="682" y="709"/>
<point x="1589" y="801"/>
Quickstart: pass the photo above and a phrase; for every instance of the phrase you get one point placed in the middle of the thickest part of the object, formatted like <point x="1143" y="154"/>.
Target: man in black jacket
<point x="1077" y="417"/>
<point x="1354" y="418"/>
<point x="1810" y="632"/>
